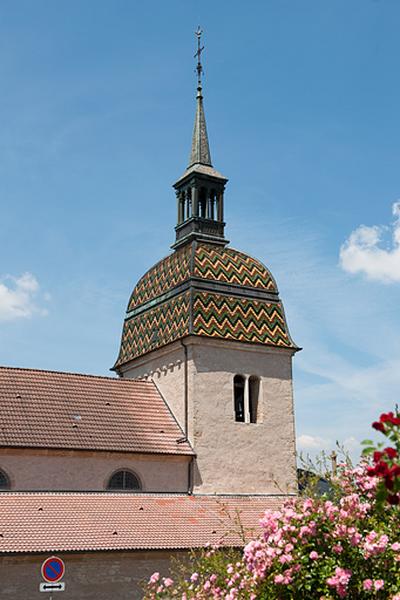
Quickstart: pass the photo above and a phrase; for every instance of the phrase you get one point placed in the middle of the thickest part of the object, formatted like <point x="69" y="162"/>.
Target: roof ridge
<point x="89" y="375"/>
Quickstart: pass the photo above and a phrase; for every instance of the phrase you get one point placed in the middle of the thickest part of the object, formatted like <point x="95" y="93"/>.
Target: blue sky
<point x="301" y="101"/>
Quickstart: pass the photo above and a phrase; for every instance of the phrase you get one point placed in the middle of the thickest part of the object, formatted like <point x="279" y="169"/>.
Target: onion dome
<point x="203" y="290"/>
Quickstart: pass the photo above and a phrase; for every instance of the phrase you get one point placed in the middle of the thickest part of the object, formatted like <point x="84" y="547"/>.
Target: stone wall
<point x="235" y="457"/>
<point x="166" y="367"/>
<point x="35" y="469"/>
<point x="232" y="457"/>
<point x="88" y="576"/>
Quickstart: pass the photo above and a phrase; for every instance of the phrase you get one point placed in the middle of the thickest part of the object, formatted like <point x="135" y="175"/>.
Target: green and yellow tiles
<point x="155" y="328"/>
<point x="184" y="294"/>
<point x="241" y="319"/>
<point x="231" y="266"/>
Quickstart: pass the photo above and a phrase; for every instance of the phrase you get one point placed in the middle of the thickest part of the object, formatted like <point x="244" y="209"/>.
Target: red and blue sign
<point x="53" y="569"/>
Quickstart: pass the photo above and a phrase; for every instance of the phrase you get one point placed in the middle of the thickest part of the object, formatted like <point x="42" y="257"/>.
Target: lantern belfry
<point x="200" y="190"/>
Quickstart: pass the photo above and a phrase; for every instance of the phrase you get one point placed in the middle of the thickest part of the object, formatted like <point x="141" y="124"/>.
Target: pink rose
<point x="155" y="577"/>
<point x="367" y="584"/>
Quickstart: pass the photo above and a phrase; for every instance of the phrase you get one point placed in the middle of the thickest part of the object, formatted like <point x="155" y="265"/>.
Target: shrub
<point x="344" y="546"/>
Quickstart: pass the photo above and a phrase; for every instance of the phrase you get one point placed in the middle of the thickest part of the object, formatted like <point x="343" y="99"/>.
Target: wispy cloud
<point x="312" y="442"/>
<point x="18" y="297"/>
<point x="362" y="251"/>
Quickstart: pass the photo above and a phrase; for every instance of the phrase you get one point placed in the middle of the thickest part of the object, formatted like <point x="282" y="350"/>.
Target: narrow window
<point x="4" y="481"/>
<point x="254" y="390"/>
<point x="238" y="391"/>
<point x="124" y="480"/>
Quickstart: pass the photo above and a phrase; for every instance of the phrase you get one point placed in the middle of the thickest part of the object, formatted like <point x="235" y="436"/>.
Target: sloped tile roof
<point x="62" y="522"/>
<point x="47" y="409"/>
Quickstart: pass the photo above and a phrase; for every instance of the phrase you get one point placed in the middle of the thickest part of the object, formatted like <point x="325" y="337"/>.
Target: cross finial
<point x="200" y="49"/>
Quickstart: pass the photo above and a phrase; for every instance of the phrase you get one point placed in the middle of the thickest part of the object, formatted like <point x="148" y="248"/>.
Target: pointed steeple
<point x="200" y="152"/>
<point x="200" y="190"/>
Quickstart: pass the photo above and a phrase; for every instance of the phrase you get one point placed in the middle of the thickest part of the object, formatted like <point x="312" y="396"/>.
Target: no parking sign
<point x="52" y="570"/>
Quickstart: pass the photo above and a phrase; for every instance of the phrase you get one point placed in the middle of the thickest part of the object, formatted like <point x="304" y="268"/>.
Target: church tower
<point x="206" y="324"/>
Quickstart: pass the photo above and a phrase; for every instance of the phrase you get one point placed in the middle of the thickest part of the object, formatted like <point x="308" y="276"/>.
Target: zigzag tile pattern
<point x="231" y="266"/>
<point x="210" y="262"/>
<point x="165" y="275"/>
<point x="213" y="314"/>
<point x="240" y="319"/>
<point x="155" y="328"/>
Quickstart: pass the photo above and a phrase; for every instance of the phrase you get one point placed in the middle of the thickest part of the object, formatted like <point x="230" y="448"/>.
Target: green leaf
<point x="366" y="442"/>
<point x="368" y="451"/>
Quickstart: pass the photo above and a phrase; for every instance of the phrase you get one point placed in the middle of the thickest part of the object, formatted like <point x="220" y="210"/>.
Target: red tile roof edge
<point x="96" y="449"/>
<point x="116" y="521"/>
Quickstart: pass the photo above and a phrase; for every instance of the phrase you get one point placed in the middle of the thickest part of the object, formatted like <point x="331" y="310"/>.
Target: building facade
<point x="116" y="474"/>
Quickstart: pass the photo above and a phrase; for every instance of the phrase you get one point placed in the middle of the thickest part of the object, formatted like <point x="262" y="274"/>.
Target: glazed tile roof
<point x="204" y="261"/>
<point x="47" y="409"/>
<point x="205" y="290"/>
<point x="62" y="522"/>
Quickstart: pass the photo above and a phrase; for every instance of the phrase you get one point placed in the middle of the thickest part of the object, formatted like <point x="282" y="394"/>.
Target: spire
<point x="200" y="190"/>
<point x="200" y="152"/>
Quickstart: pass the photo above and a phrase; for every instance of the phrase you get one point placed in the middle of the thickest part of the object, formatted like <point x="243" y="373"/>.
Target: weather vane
<point x="200" y="49"/>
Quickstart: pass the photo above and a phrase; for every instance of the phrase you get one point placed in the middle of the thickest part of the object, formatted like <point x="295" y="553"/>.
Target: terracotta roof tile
<point x="47" y="409"/>
<point x="55" y="522"/>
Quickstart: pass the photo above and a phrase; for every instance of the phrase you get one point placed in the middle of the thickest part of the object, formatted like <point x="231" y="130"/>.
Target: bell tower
<point x="207" y="325"/>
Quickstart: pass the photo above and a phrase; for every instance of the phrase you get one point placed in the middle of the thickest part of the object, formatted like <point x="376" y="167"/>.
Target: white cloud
<point x="313" y="442"/>
<point x="363" y="252"/>
<point x="17" y="297"/>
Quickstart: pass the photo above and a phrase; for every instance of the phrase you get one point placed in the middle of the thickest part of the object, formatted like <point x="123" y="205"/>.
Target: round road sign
<point x="53" y="569"/>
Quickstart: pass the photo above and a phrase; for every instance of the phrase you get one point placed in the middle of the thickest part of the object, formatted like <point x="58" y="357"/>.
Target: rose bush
<point x="386" y="459"/>
<point x="346" y="545"/>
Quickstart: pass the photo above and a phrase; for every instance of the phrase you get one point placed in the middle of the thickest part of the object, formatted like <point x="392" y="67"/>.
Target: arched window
<point x="238" y="391"/>
<point x="4" y="481"/>
<point x="124" y="480"/>
<point x="254" y="390"/>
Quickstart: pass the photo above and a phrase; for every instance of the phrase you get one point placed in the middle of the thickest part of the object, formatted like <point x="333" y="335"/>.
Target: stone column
<point x="178" y="207"/>
<point x="195" y="201"/>
<point x="220" y="215"/>
<point x="212" y="201"/>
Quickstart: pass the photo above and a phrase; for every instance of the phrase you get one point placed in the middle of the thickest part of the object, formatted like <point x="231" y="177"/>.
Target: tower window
<point x="254" y="390"/>
<point x="4" y="481"/>
<point x="124" y="480"/>
<point x="246" y="392"/>
<point x="238" y="390"/>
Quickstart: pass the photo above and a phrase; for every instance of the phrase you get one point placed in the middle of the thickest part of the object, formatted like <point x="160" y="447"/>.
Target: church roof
<point x="207" y="290"/>
<point x="47" y="409"/>
<point x="100" y="521"/>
